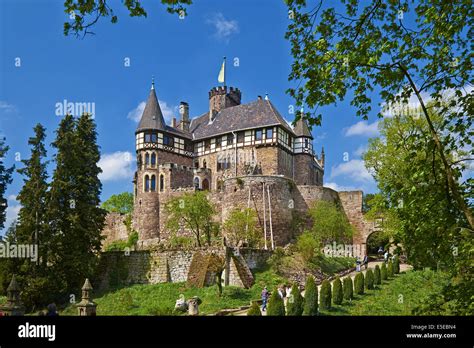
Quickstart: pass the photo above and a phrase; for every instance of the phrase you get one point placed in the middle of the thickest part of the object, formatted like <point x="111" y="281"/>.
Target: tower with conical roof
<point x="308" y="170"/>
<point x="164" y="162"/>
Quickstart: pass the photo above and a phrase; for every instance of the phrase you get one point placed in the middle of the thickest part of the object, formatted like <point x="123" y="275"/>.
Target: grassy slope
<point x="398" y="296"/>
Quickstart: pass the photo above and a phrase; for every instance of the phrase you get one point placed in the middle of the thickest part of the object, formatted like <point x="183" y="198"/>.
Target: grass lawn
<point x="397" y="296"/>
<point x="159" y="299"/>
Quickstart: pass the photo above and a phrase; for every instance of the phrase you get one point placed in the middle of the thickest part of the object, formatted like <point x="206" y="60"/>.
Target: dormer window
<point x="258" y="134"/>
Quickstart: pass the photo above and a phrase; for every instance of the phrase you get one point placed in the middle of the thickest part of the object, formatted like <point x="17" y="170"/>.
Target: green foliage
<point x="181" y="242"/>
<point x="275" y="307"/>
<point x="241" y="226"/>
<point x="348" y="289"/>
<point x="121" y="203"/>
<point x="295" y="303"/>
<point x="325" y="295"/>
<point x="194" y="212"/>
<point x="117" y="245"/>
<point x="310" y="297"/>
<point x="396" y="265"/>
<point x="84" y="14"/>
<point x="254" y="310"/>
<point x="337" y="294"/>
<point x="276" y="260"/>
<point x="5" y="179"/>
<point x="389" y="269"/>
<point x="307" y="245"/>
<point x="377" y="275"/>
<point x="330" y="224"/>
<point x="369" y="279"/>
<point x="383" y="272"/>
<point x="359" y="283"/>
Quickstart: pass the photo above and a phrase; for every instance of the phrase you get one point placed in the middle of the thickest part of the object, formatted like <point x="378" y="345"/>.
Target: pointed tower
<point x="308" y="170"/>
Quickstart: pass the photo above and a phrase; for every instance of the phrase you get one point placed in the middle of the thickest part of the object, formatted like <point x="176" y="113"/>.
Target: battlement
<point x="222" y="90"/>
<point x="173" y="167"/>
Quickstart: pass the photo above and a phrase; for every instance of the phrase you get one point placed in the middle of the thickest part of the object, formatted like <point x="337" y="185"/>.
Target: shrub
<point x="337" y="291"/>
<point x="383" y="272"/>
<point x="307" y="245"/>
<point x="310" y="297"/>
<point x="396" y="265"/>
<point x="254" y="310"/>
<point x="359" y="284"/>
<point x="275" y="306"/>
<point x="377" y="276"/>
<point x="390" y="269"/>
<point x="348" y="289"/>
<point x="295" y="302"/>
<point x="325" y="295"/>
<point x="369" y="279"/>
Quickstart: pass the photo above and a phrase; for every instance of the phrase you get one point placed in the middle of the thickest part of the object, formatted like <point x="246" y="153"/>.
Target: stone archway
<point x="205" y="185"/>
<point x="375" y="240"/>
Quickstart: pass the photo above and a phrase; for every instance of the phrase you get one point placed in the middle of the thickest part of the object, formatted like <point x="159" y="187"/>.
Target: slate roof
<point x="260" y="113"/>
<point x="152" y="117"/>
<point x="301" y="129"/>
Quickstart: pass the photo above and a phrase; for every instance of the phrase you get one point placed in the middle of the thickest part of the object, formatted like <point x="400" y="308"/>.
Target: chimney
<point x="173" y="122"/>
<point x="259" y="97"/>
<point x="184" y="112"/>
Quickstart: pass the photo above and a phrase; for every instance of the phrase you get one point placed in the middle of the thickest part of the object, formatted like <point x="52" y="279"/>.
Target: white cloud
<point x="12" y="211"/>
<point x="363" y="128"/>
<point x="354" y="170"/>
<point x="336" y="187"/>
<point x="361" y="150"/>
<point x="116" y="166"/>
<point x="167" y="110"/>
<point x="224" y="28"/>
<point x="5" y="106"/>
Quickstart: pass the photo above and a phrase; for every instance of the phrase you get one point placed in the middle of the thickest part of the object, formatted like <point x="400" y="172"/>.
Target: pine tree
<point x="383" y="272"/>
<point x="337" y="294"/>
<point x="5" y="180"/>
<point x="377" y="276"/>
<point x="396" y="265"/>
<point x="325" y="295"/>
<point x="295" y="302"/>
<point x="390" y="269"/>
<point x="275" y="306"/>
<point x="359" y="284"/>
<point x="254" y="310"/>
<point x="348" y="289"/>
<point x="369" y="279"/>
<point x="310" y="297"/>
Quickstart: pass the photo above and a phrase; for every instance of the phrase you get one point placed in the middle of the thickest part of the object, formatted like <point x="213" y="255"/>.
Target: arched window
<point x="147" y="183"/>
<point x="162" y="182"/>
<point x="153" y="159"/>
<point x="204" y="164"/>
<point x="196" y="183"/>
<point x="153" y="183"/>
<point x="147" y="159"/>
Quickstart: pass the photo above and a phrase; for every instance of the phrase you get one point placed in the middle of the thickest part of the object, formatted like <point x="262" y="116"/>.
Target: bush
<point x="390" y="269"/>
<point x="295" y="302"/>
<point x="348" y="289"/>
<point x="310" y="297"/>
<point x="377" y="276"/>
<point x="337" y="291"/>
<point x="359" y="284"/>
<point x="325" y="295"/>
<point x="307" y="245"/>
<point x="396" y="265"/>
<point x="275" y="307"/>
<point x="383" y="272"/>
<point x="369" y="279"/>
<point x="254" y="310"/>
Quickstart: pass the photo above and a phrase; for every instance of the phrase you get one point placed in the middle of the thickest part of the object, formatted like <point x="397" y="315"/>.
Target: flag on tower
<point x="221" y="77"/>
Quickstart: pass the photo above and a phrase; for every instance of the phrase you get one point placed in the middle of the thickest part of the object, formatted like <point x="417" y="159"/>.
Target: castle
<point x="242" y="155"/>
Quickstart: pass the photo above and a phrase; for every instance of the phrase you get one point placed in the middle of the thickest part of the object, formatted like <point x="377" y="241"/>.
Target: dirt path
<point x="403" y="267"/>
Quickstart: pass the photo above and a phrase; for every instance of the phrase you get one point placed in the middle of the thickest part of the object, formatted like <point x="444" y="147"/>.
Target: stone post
<point x="193" y="305"/>
<point x="13" y="307"/>
<point x="87" y="307"/>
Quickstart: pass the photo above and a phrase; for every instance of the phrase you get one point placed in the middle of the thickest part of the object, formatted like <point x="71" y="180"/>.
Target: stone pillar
<point x="193" y="305"/>
<point x="13" y="307"/>
<point x="87" y="308"/>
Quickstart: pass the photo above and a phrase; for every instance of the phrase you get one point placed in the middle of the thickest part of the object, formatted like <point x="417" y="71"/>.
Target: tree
<point x="5" y="179"/>
<point x="377" y="275"/>
<point x="307" y="245"/>
<point x="85" y="14"/>
<point x="310" y="297"/>
<point x="337" y="294"/>
<point x="390" y="269"/>
<point x="241" y="227"/>
<point x="192" y="212"/>
<point x="396" y="265"/>
<point x="120" y="203"/>
<point x="383" y="272"/>
<point x="375" y="46"/>
<point x="369" y="279"/>
<point x="275" y="307"/>
<point x="359" y="284"/>
<point x="254" y="310"/>
<point x="295" y="302"/>
<point x="325" y="295"/>
<point x="348" y="289"/>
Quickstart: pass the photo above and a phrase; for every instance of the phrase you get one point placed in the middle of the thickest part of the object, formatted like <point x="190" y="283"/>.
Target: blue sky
<point x="40" y="67"/>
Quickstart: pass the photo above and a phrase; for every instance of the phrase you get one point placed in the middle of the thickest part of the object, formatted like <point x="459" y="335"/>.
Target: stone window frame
<point x="153" y="159"/>
<point x="162" y="182"/>
<point x="153" y="183"/>
<point x="146" y="183"/>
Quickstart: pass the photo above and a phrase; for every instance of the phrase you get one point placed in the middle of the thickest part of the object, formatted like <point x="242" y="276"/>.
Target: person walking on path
<point x="385" y="257"/>
<point x="358" y="264"/>
<point x="265" y="296"/>
<point x="365" y="262"/>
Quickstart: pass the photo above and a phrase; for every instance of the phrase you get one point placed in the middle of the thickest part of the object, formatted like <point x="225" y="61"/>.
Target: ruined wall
<point x="114" y="228"/>
<point x="352" y="204"/>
